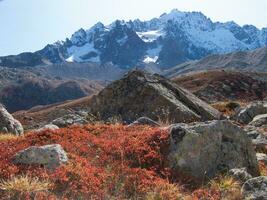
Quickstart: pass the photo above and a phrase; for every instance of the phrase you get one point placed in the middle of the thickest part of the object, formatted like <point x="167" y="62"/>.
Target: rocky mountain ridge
<point x="166" y="41"/>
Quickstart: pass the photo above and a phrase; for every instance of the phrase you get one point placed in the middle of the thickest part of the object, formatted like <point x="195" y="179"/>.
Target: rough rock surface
<point x="240" y="174"/>
<point x="8" y="124"/>
<point x="140" y="94"/>
<point x="50" y="156"/>
<point x="203" y="149"/>
<point x="144" y="121"/>
<point x="69" y="119"/>
<point x="255" y="188"/>
<point x="247" y="114"/>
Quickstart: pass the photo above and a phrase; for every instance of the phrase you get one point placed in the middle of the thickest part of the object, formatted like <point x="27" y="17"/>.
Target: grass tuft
<point x="164" y="191"/>
<point x="24" y="184"/>
<point x="4" y="137"/>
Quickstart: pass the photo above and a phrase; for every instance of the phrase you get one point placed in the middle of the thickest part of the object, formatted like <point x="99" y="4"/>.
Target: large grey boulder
<point x="140" y="94"/>
<point x="255" y="189"/>
<point x="69" y="119"/>
<point x="49" y="156"/>
<point x="8" y="124"/>
<point x="204" y="149"/>
<point x="144" y="121"/>
<point x="247" y="114"/>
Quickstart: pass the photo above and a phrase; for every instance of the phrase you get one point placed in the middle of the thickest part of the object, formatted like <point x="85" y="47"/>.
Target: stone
<point x="8" y="124"/>
<point x="69" y="119"/>
<point x="144" y="121"/>
<point x="240" y="174"/>
<point x="49" y="127"/>
<point x="247" y="114"/>
<point x="140" y="94"/>
<point x="49" y="156"/>
<point x="255" y="188"/>
<point x="204" y="149"/>
<point x="259" y="120"/>
<point x="262" y="157"/>
<point x="260" y="142"/>
<point x="253" y="134"/>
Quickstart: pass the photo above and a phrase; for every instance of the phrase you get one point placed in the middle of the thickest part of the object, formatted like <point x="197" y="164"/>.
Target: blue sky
<point x="28" y="25"/>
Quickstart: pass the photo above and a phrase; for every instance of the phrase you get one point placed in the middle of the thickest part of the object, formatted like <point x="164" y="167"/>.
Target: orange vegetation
<point x="105" y="162"/>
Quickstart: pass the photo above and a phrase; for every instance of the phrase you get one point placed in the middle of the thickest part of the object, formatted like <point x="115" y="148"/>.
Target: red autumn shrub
<point x="105" y="162"/>
<point x="101" y="158"/>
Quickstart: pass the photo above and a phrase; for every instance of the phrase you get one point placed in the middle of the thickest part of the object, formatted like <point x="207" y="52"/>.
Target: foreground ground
<point x="106" y="162"/>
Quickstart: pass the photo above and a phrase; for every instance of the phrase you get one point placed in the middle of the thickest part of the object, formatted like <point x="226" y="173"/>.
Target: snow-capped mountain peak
<point x="168" y="40"/>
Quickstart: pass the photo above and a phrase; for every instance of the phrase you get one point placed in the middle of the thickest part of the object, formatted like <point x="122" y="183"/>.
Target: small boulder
<point x="144" y="121"/>
<point x="8" y="124"/>
<point x="240" y="174"/>
<point x="255" y="188"/>
<point x="247" y="114"/>
<point x="204" y="149"/>
<point x="262" y="157"/>
<point x="69" y="119"/>
<point x="260" y="142"/>
<point x="48" y="126"/>
<point x="49" y="156"/>
<point x="259" y="120"/>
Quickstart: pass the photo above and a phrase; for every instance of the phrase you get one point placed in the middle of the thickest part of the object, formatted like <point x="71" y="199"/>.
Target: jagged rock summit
<point x="139" y="94"/>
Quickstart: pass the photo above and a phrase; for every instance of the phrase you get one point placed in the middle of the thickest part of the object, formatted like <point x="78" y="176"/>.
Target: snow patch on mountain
<point x="152" y="55"/>
<point x="150" y="36"/>
<point x="122" y="40"/>
<point x="218" y="40"/>
<point x="84" y="53"/>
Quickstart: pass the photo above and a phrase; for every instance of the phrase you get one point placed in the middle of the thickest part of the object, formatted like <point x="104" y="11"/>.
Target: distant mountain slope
<point x="169" y="40"/>
<point x="220" y="85"/>
<point x="246" y="61"/>
<point x="22" y="89"/>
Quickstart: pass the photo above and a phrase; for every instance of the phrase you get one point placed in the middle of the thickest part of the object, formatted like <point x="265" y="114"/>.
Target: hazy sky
<point x="28" y="25"/>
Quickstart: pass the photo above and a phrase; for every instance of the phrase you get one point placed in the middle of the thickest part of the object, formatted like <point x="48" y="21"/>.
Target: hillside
<point x="251" y="61"/>
<point x="21" y="89"/>
<point x="219" y="85"/>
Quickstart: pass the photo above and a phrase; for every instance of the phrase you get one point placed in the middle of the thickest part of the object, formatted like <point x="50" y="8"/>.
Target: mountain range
<point x="166" y="41"/>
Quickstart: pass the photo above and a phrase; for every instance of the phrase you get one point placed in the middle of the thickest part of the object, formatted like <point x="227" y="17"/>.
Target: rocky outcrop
<point x="8" y="124"/>
<point x="144" y="121"/>
<point x="247" y="114"/>
<point x="255" y="188"/>
<point x="204" y="149"/>
<point x="49" y="156"/>
<point x="140" y="94"/>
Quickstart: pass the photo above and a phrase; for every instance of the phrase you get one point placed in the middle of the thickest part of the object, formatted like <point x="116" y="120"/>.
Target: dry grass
<point x="228" y="107"/>
<point x="22" y="184"/>
<point x="165" y="191"/>
<point x="263" y="168"/>
<point x="4" y="137"/>
<point x="227" y="186"/>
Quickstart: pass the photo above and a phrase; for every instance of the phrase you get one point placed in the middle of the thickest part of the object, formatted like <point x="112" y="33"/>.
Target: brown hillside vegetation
<point x="220" y="85"/>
